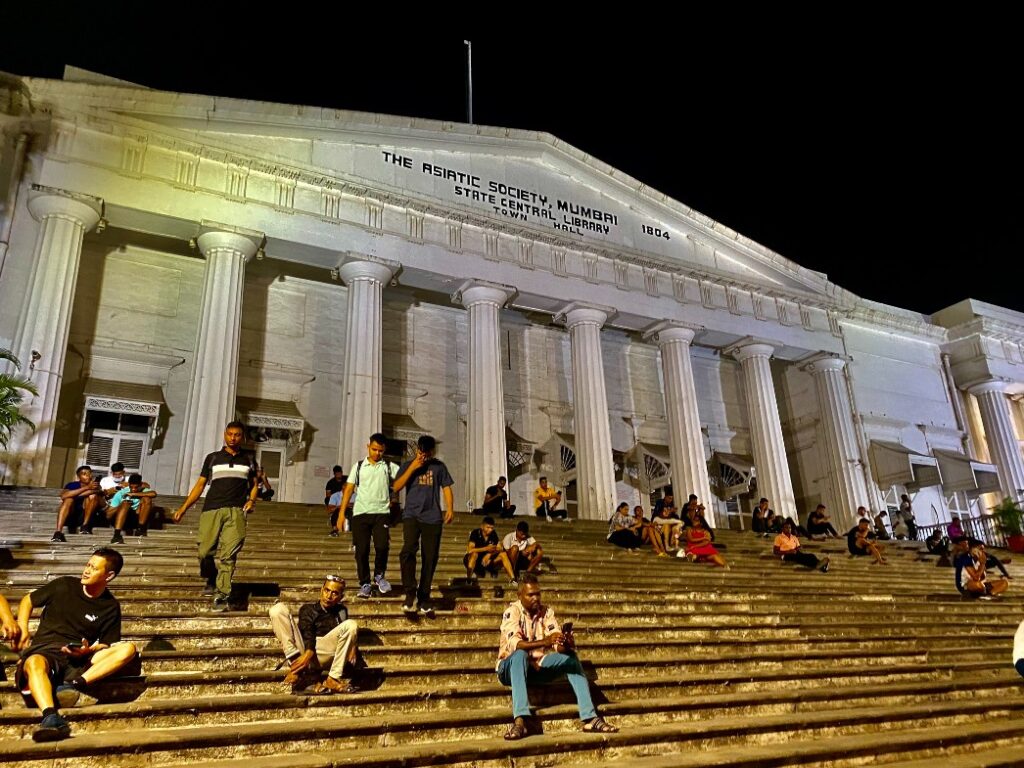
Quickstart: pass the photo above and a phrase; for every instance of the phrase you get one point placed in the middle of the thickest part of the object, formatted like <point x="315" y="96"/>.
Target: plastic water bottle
<point x="470" y="506"/>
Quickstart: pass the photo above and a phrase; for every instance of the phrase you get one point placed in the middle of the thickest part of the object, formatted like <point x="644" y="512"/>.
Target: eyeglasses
<point x="332" y="577"/>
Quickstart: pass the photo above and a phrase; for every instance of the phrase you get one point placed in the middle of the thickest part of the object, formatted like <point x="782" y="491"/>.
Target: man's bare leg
<point x="37" y="670"/>
<point x="90" y="505"/>
<point x="109" y="661"/>
<point x="63" y="512"/>
<point x="145" y="507"/>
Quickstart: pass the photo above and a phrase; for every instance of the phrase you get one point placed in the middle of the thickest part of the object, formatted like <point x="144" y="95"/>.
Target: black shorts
<point x="60" y="665"/>
<point x="480" y="569"/>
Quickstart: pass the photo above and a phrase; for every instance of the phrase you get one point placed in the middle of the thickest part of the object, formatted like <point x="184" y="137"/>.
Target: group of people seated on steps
<point x="684" y="533"/>
<point x="123" y="501"/>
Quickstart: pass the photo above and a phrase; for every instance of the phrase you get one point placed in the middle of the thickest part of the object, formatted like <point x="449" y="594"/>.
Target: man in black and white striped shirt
<point x="231" y="474"/>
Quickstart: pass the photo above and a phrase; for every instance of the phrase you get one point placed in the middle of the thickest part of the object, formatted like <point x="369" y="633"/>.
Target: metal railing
<point x="983" y="528"/>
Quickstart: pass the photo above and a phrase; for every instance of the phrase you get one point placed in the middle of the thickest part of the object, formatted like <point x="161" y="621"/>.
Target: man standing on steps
<point x="231" y="474"/>
<point x="425" y="479"/>
<point x="532" y="647"/>
<point x="77" y="643"/>
<point x="371" y="479"/>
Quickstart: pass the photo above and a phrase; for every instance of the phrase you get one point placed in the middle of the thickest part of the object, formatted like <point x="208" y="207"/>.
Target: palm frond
<point x="11" y="383"/>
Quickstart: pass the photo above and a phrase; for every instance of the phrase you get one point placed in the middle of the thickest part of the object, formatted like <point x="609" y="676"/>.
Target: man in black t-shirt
<point x="425" y="479"/>
<point x="77" y="642"/>
<point x="484" y="553"/>
<point x="496" y="500"/>
<point x="231" y="473"/>
<point x="322" y="636"/>
<point x="335" y="485"/>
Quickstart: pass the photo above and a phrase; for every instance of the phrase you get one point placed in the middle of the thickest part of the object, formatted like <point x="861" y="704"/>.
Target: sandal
<point x="599" y="725"/>
<point x="517" y="730"/>
<point x="330" y="685"/>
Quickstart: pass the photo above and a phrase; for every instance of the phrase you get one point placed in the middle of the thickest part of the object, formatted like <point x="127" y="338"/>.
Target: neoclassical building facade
<point x="169" y="262"/>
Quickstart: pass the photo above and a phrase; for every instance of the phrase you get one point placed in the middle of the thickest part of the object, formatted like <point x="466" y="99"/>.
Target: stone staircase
<point x="762" y="665"/>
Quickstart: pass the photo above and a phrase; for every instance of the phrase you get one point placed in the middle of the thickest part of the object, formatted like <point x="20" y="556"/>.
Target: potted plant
<point x="1008" y="515"/>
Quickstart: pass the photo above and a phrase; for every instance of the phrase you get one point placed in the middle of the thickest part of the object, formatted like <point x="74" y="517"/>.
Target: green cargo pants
<point x="221" y="536"/>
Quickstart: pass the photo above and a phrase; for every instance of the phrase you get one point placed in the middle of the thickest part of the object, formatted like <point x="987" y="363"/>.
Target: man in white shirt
<point x="524" y="553"/>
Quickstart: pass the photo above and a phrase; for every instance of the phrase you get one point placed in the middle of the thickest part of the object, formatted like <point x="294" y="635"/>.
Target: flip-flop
<point x="516" y="731"/>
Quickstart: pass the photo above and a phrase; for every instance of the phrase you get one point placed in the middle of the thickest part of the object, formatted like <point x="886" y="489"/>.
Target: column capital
<point x="483" y="292"/>
<point x="668" y="331"/>
<point x="583" y="313"/>
<point x="744" y="349"/>
<point x="208" y="242"/>
<point x="986" y="386"/>
<point x="44" y="202"/>
<point x="360" y="266"/>
<point x="824" y="362"/>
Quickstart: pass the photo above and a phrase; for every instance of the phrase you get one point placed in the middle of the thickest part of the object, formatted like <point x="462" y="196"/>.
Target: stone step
<point x="413" y="739"/>
<point x="597" y="651"/>
<point x="183" y="687"/>
<point x="162" y="713"/>
<point x="199" y="683"/>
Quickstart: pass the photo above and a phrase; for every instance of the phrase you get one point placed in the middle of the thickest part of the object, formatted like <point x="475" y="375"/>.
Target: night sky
<point x="883" y="152"/>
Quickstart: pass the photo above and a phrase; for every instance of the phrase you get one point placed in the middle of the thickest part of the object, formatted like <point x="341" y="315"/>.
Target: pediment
<point x="518" y="179"/>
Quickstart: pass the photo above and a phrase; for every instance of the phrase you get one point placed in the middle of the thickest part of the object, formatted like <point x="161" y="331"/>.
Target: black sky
<point x="883" y="151"/>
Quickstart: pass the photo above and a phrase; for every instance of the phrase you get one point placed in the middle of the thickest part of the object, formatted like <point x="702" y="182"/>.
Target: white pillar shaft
<point x="361" y="382"/>
<point x="486" y="457"/>
<point x="46" y="320"/>
<point x="595" y="481"/>
<point x="773" y="479"/>
<point x="686" y="444"/>
<point x="211" y="401"/>
<point x="1002" y="443"/>
<point x="840" y="449"/>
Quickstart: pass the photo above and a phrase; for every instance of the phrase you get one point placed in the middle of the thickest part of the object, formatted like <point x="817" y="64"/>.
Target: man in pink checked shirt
<point x="534" y="648"/>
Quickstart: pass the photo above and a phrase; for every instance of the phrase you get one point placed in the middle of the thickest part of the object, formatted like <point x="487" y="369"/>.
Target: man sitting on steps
<point x="524" y="552"/>
<point x="77" y="643"/>
<point x="78" y="501"/>
<point x="135" y="499"/>
<point x="532" y="647"/>
<point x="323" y="634"/>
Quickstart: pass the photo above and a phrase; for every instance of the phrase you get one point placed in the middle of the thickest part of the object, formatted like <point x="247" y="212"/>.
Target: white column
<point x="361" y="382"/>
<point x="486" y="457"/>
<point x="595" y="480"/>
<point x="1002" y="442"/>
<point x="685" y="442"/>
<point x="773" y="480"/>
<point x="843" y="460"/>
<point x="211" y="400"/>
<point x="46" y="317"/>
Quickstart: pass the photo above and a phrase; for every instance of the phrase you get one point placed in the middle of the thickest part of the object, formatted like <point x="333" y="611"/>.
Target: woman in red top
<point x="699" y="546"/>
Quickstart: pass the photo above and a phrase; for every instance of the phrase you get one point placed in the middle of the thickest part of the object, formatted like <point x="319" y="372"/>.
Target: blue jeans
<point x="517" y="671"/>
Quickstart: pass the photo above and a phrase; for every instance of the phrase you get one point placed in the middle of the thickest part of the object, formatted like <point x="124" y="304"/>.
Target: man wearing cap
<point x="323" y="636"/>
